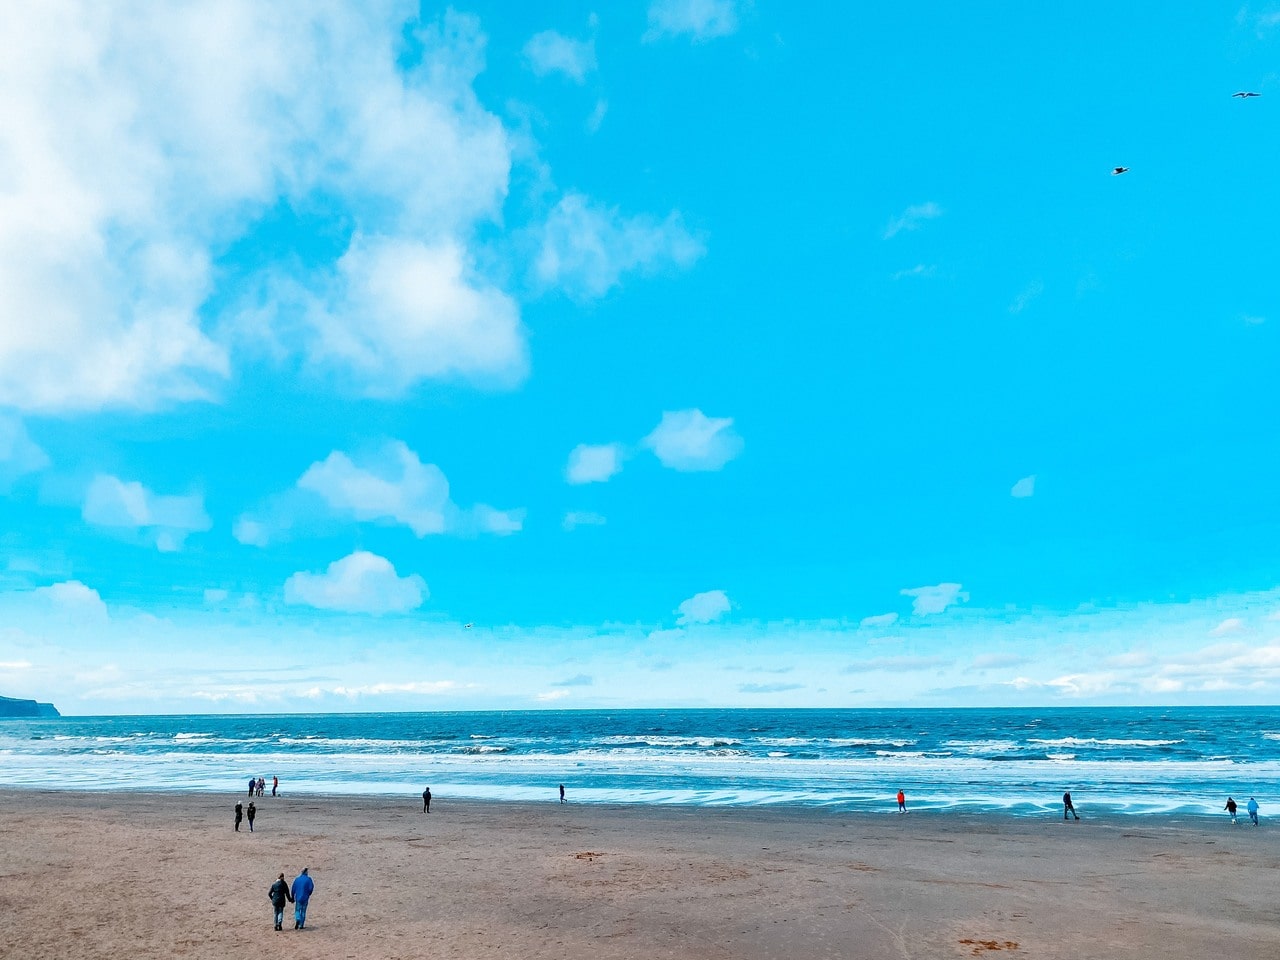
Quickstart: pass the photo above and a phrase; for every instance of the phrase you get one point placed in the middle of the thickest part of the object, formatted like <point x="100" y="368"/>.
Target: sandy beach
<point x="164" y="875"/>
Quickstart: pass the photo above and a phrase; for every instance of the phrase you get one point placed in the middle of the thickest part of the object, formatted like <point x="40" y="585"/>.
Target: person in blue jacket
<point x="279" y="895"/>
<point x="303" y="887"/>
<point x="1252" y="807"/>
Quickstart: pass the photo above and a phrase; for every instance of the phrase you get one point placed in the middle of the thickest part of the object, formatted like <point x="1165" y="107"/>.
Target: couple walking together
<point x="299" y="896"/>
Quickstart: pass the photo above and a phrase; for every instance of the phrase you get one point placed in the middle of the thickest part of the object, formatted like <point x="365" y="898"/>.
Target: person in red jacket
<point x="902" y="802"/>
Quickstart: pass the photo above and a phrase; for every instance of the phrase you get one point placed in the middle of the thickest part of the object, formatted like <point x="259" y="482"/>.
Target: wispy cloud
<point x="902" y="664"/>
<point x="551" y="52"/>
<point x="1024" y="488"/>
<point x="1024" y="298"/>
<point x="912" y="218"/>
<point x="128" y="506"/>
<point x="582" y="518"/>
<point x="768" y="687"/>
<point x="919" y="270"/>
<point x="934" y="599"/>
<point x="700" y="20"/>
<point x="879" y="620"/>
<point x="580" y="680"/>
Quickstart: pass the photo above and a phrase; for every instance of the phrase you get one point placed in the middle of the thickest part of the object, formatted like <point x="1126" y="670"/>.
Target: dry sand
<point x="164" y="875"/>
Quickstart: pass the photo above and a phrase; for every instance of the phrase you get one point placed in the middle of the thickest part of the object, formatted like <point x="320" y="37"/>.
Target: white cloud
<point x="992" y="661"/>
<point x="214" y="596"/>
<point x="703" y="608"/>
<point x="880" y="620"/>
<point x="919" y="270"/>
<point x="392" y="485"/>
<point x="19" y="454"/>
<point x="582" y="518"/>
<point x="1025" y="487"/>
<point x="586" y="247"/>
<point x="1253" y="320"/>
<point x="165" y="520"/>
<point x="73" y="597"/>
<point x="902" y="664"/>
<point x="136" y="149"/>
<point x="388" y="484"/>
<point x="426" y="687"/>
<point x="551" y="52"/>
<point x="361" y="582"/>
<point x="912" y="218"/>
<point x="15" y="664"/>
<point x="551" y="696"/>
<point x="700" y="19"/>
<point x="596" y="119"/>
<point x="399" y="310"/>
<point x="501" y="523"/>
<point x="594" y="463"/>
<point x="1028" y="294"/>
<point x="935" y="599"/>
<point x="688" y="440"/>
<point x="1227" y="626"/>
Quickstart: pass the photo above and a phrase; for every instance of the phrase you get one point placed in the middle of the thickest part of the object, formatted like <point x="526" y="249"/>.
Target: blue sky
<point x="696" y="352"/>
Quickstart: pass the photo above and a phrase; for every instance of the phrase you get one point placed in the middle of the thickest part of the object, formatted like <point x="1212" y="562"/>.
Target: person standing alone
<point x="426" y="800"/>
<point x="279" y="896"/>
<point x="1068" y="807"/>
<point x="252" y="812"/>
<point x="303" y="887"/>
<point x="239" y="814"/>
<point x="902" y="802"/>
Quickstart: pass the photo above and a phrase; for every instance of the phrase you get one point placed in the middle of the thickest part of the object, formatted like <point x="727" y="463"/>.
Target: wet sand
<point x="164" y="875"/>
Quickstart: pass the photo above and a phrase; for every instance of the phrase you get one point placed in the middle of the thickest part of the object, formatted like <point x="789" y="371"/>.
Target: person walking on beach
<point x="253" y="782"/>
<point x="426" y="800"/>
<point x="252" y="812"/>
<point x="239" y="815"/>
<point x="1252" y="807"/>
<point x="303" y="887"/>
<point x="275" y="785"/>
<point x="1231" y="808"/>
<point x="1068" y="806"/>
<point x="562" y="793"/>
<point x="279" y="896"/>
<point x="902" y="802"/>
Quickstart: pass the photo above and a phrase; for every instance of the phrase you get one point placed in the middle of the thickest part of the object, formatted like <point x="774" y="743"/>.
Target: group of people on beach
<point x="258" y="784"/>
<point x="299" y="895"/>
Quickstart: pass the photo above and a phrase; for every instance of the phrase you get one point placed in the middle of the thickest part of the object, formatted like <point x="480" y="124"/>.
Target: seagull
<point x="467" y="626"/>
<point x="1116" y="171"/>
<point x="1246" y="94"/>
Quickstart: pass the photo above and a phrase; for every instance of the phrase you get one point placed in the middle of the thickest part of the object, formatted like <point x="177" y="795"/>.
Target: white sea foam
<point x="1103" y="742"/>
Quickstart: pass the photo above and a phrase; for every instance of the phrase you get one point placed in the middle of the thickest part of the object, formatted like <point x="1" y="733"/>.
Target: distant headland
<point x="10" y="707"/>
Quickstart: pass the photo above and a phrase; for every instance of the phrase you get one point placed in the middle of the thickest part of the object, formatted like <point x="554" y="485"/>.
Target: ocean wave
<point x="1103" y="742"/>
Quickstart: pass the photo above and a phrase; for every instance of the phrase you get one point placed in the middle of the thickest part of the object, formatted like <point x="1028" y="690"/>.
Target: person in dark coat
<point x="239" y="815"/>
<point x="426" y="800"/>
<point x="279" y="896"/>
<point x="253" y="812"/>
<point x="253" y="785"/>
<point x="1068" y="807"/>
<point x="303" y="887"/>
<point x="1231" y="808"/>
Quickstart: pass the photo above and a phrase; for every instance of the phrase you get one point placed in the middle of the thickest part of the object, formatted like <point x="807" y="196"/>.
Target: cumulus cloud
<point x="934" y="599"/>
<point x="701" y="20"/>
<point x="688" y="440"/>
<point x="399" y="310"/>
<point x="582" y="518"/>
<point x="165" y="521"/>
<point x="136" y="149"/>
<point x="585" y="247"/>
<point x="1228" y="626"/>
<point x="75" y="598"/>
<point x="389" y="484"/>
<point x="703" y="608"/>
<point x="1025" y="487"/>
<point x="19" y="454"/>
<point x="360" y="582"/>
<point x="590" y="463"/>
<point x="551" y="52"/>
<point x="880" y="620"/>
<point x="912" y="218"/>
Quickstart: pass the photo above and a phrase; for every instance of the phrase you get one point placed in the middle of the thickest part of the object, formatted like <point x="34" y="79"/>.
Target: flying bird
<point x="1116" y="171"/>
<point x="467" y="626"/>
<point x="1246" y="94"/>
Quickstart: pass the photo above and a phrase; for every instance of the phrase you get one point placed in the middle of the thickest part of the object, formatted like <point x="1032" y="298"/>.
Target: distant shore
<point x="137" y="875"/>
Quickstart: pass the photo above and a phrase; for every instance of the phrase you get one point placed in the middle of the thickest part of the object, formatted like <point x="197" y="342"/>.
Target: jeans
<point x="300" y="913"/>
<point x="279" y="917"/>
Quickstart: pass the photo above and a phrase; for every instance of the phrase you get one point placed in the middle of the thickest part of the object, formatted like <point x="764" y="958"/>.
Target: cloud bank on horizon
<point x="739" y="369"/>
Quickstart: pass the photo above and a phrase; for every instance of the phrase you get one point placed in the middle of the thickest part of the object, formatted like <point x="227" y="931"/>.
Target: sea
<point x="1115" y="761"/>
